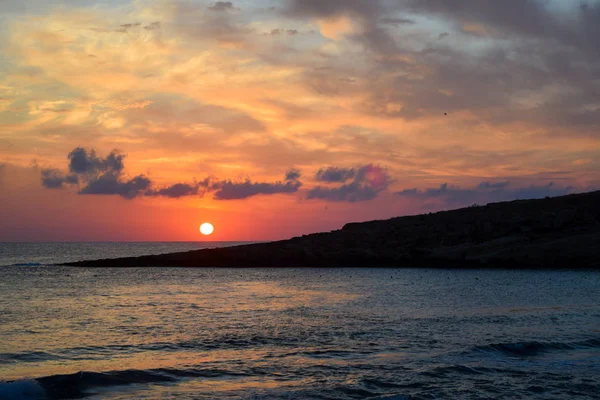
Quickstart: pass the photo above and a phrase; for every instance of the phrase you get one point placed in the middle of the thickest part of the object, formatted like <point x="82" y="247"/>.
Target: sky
<point x="137" y="120"/>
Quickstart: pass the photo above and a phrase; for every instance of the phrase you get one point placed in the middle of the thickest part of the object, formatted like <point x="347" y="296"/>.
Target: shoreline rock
<point x="560" y="232"/>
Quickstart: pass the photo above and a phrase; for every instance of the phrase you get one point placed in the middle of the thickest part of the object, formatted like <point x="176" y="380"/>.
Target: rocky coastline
<point x="560" y="232"/>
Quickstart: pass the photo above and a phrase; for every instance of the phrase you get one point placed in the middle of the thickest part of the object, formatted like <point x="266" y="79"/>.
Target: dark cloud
<point x="127" y="26"/>
<point x="124" y="28"/>
<point x="486" y="192"/>
<point x="56" y="179"/>
<point x="352" y="193"/>
<point x="104" y="176"/>
<point x="281" y="31"/>
<point x="175" y="191"/>
<point x="492" y="185"/>
<point x="335" y="174"/>
<point x="497" y="85"/>
<point x="511" y="62"/>
<point x="82" y="161"/>
<point x="228" y="190"/>
<point x="222" y="6"/>
<point x="154" y="25"/>
<point x="529" y="18"/>
<point x="111" y="184"/>
<point x="553" y="54"/>
<point x="367" y="12"/>
<point x="179" y="190"/>
<point x="373" y="36"/>
<point x="332" y="8"/>
<point x="396" y="21"/>
<point x="292" y="175"/>
<point x="369" y="181"/>
<point x="219" y="25"/>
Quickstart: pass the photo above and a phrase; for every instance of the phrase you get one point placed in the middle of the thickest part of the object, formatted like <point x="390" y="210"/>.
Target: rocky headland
<point x="559" y="232"/>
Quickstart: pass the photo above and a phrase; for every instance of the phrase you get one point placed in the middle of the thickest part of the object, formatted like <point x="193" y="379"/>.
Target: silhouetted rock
<point x="560" y="232"/>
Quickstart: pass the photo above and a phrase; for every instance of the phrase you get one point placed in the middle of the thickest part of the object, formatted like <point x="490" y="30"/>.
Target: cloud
<point x="280" y="31"/>
<point x="358" y="20"/>
<point x="534" y="63"/>
<point x="222" y="6"/>
<point x="369" y="181"/>
<point x="82" y="161"/>
<point x="176" y="191"/>
<point x="130" y="25"/>
<point x="525" y="61"/>
<point x="335" y="174"/>
<point x="396" y="21"/>
<point x="220" y="25"/>
<point x="152" y="26"/>
<point x="228" y="190"/>
<point x="111" y="184"/>
<point x="351" y="193"/>
<point x="332" y="8"/>
<point x="55" y="179"/>
<point x="179" y="190"/>
<point x="452" y="196"/>
<point x="292" y="175"/>
<point x="492" y="185"/>
<point x="214" y="93"/>
<point x="104" y="176"/>
<point x="527" y="18"/>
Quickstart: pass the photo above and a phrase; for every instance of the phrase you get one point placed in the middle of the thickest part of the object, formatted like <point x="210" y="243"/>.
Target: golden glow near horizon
<point x="302" y="116"/>
<point x="207" y="229"/>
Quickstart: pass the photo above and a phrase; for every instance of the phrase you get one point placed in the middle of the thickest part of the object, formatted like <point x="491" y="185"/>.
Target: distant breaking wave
<point x="74" y="386"/>
<point x="82" y="384"/>
<point x="102" y="352"/>
<point x="533" y="348"/>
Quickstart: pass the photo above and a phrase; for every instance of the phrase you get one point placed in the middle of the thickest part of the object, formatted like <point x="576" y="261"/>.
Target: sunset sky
<point x="139" y="120"/>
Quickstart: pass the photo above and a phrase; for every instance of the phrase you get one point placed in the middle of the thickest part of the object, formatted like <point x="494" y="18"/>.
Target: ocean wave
<point x="444" y="371"/>
<point x="334" y="353"/>
<point x="78" y="385"/>
<point x="101" y="352"/>
<point x="28" y="356"/>
<point x="533" y="348"/>
<point x="21" y="390"/>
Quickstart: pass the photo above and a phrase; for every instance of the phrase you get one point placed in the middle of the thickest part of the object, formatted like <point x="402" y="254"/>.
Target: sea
<point x="290" y="333"/>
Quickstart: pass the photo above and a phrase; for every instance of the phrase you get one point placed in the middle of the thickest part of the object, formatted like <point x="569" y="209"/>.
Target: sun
<point x="207" y="229"/>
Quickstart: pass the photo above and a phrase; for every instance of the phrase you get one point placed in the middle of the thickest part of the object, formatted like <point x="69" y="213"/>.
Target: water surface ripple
<point x="298" y="333"/>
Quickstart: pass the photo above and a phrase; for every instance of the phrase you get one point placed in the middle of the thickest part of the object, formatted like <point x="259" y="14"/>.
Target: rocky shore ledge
<point x="559" y="232"/>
